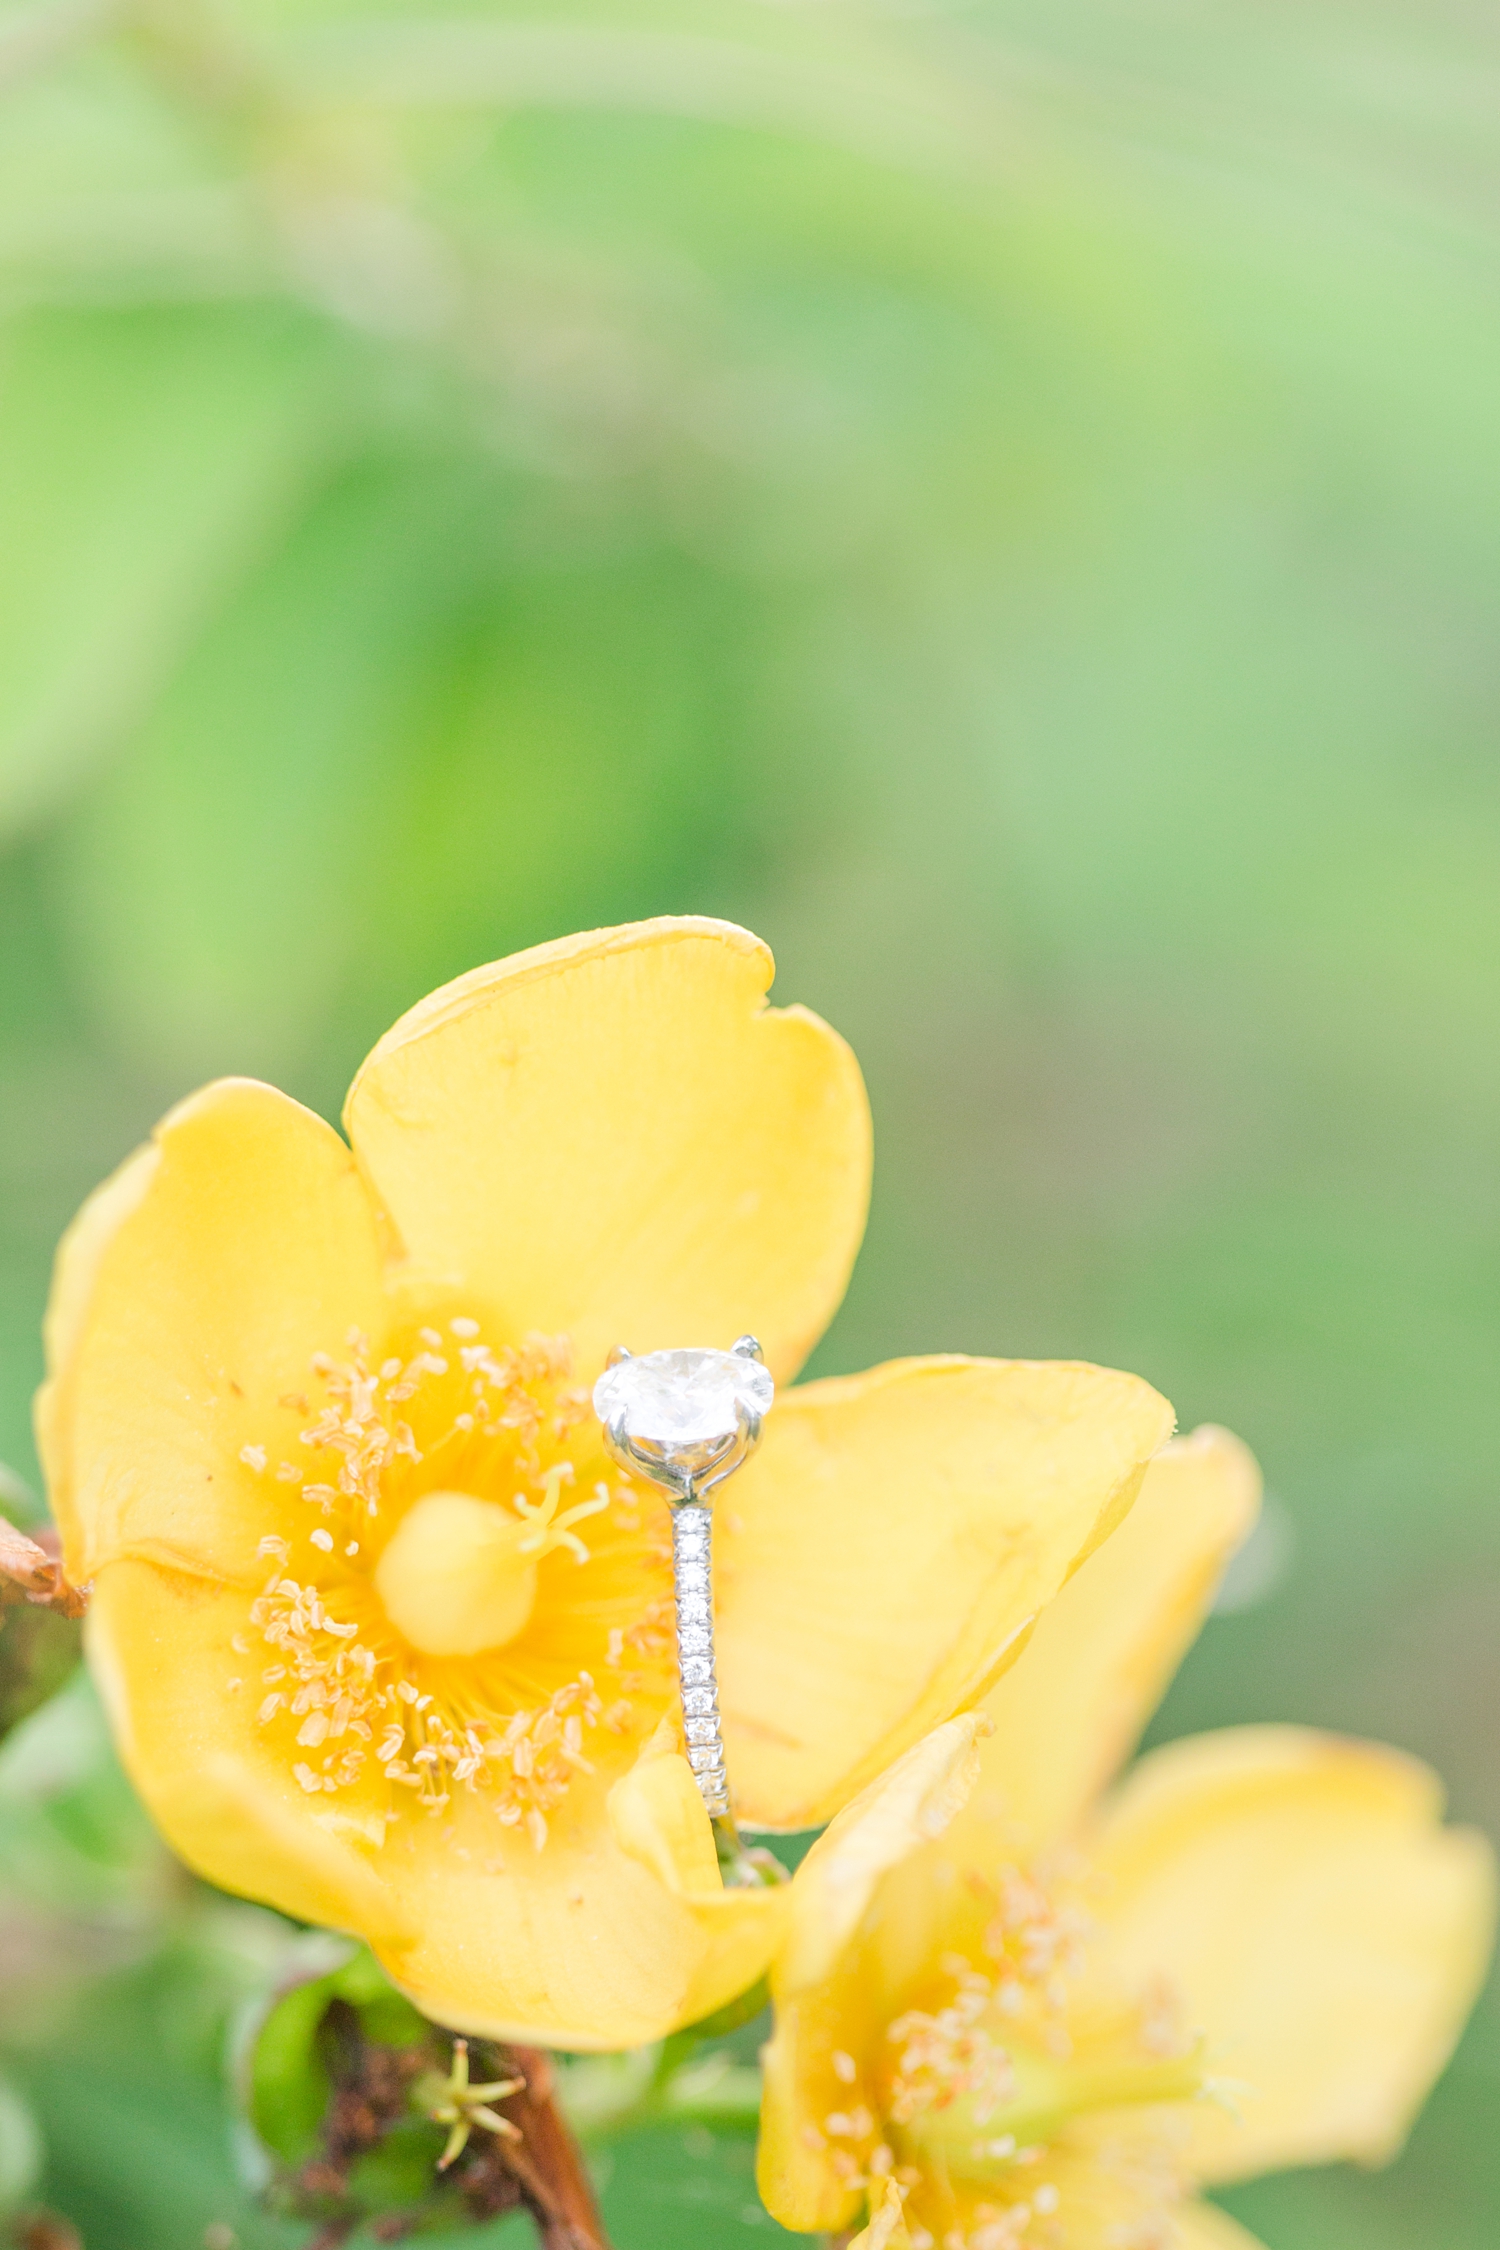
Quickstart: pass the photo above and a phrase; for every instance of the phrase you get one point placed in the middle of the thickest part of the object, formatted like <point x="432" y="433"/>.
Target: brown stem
<point x="546" y="2161"/>
<point x="32" y="1567"/>
<point x="535" y="2165"/>
<point x="334" y="2234"/>
<point x="44" y="2230"/>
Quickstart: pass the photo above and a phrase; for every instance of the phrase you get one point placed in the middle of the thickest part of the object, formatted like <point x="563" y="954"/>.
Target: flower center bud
<point x="459" y="1574"/>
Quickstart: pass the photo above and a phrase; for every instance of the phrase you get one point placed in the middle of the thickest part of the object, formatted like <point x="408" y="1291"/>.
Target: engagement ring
<point x="685" y="1420"/>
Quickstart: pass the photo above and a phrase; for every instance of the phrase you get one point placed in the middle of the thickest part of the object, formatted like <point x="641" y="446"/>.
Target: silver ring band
<point x="692" y="1573"/>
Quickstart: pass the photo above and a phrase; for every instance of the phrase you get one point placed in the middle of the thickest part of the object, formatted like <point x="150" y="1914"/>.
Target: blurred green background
<point x="1002" y="498"/>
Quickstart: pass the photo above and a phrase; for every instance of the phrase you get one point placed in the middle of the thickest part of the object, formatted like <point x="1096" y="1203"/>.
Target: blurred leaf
<point x="248" y="807"/>
<point x="288" y="2077"/>
<point x="555" y="768"/>
<point x="400" y="2173"/>
<point x="38" y="1650"/>
<point x="17" y="1500"/>
<point x="343" y="2081"/>
<point x="145" y="458"/>
<point x="289" y="2081"/>
<point x="393" y="755"/>
<point x="85" y="1883"/>
<point x="683" y="2189"/>
<point x="142" y="2161"/>
<point x="117" y="1977"/>
<point x="73" y="1830"/>
<point x="21" y="2153"/>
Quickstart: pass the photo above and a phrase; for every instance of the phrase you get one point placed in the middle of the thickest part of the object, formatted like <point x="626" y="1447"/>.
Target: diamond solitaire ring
<point x="686" y="1420"/>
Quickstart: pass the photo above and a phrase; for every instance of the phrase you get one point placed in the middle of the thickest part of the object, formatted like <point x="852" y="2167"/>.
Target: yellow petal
<point x="829" y="1999"/>
<point x="657" y="1817"/>
<point x="74" y="1271"/>
<point x="1113" y="2191"/>
<point x="614" y="1138"/>
<point x="190" y="1295"/>
<point x="912" y="1802"/>
<point x="616" y="1934"/>
<point x="1203" y="2226"/>
<point x="1110" y="2182"/>
<point x="1322" y="1929"/>
<point x="1070" y="1709"/>
<point x="578" y="1946"/>
<point x="887" y="2229"/>
<point x="880" y="1556"/>
<point x="159" y="1647"/>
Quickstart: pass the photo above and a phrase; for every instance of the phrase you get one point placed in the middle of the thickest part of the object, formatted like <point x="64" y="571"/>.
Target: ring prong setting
<point x="684" y="1419"/>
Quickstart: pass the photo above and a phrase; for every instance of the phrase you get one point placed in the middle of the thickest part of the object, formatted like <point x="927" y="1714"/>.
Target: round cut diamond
<point x="683" y="1398"/>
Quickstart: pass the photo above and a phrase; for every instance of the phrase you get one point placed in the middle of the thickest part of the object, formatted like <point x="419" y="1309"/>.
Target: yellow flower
<point x="1047" y="2029"/>
<point x="385" y="1635"/>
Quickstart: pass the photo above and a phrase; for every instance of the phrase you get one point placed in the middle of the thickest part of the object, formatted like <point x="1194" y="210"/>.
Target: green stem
<point x="715" y="2091"/>
<point x="672" y="2084"/>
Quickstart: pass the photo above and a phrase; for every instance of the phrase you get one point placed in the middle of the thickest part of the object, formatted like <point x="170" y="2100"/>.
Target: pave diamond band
<point x="686" y="1420"/>
<point x="692" y="1570"/>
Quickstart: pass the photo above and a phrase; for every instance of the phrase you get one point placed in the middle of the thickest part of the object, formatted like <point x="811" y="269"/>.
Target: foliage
<point x="176" y="2054"/>
<point x="1000" y="498"/>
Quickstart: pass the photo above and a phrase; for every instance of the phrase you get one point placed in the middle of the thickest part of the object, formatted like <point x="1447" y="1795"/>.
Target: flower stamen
<point x="392" y="1634"/>
<point x="452" y="2101"/>
<point x="982" y="2094"/>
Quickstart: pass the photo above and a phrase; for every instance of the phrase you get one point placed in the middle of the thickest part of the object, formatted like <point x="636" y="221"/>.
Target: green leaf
<point x="288" y="2083"/>
<point x="137" y="2135"/>
<point x="675" y="2188"/>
